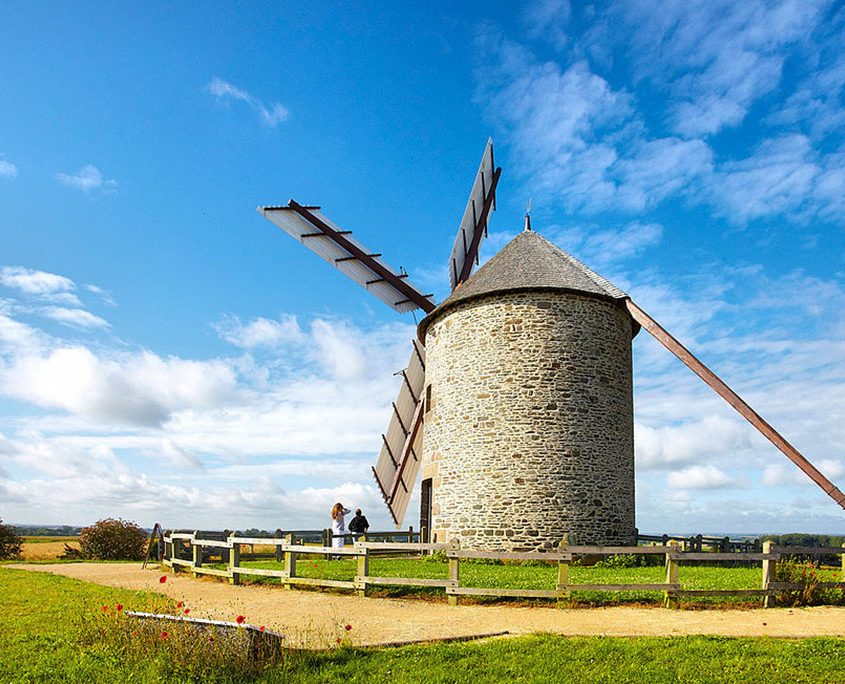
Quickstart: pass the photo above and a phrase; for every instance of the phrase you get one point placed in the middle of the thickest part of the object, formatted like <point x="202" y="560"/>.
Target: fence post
<point x="842" y="556"/>
<point x="234" y="561"/>
<point x="454" y="572"/>
<point x="290" y="562"/>
<point x="563" y="574"/>
<point x="225" y="555"/>
<point x="670" y="597"/>
<point x="327" y="540"/>
<point x="279" y="548"/>
<point x="196" y="555"/>
<point x="363" y="569"/>
<point x="769" y="573"/>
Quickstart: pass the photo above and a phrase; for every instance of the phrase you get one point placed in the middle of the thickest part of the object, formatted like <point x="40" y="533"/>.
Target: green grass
<point x="43" y="540"/>
<point x="539" y="576"/>
<point x="41" y="641"/>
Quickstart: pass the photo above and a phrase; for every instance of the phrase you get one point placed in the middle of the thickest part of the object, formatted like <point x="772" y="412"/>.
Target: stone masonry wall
<point x="529" y="432"/>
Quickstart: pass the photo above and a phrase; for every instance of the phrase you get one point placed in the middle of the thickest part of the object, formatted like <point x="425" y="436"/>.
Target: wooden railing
<point x="190" y="552"/>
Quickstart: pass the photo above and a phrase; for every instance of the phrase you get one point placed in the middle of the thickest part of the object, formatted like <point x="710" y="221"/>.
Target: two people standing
<point x="358" y="524"/>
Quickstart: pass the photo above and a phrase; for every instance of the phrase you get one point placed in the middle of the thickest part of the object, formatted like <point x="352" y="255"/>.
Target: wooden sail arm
<point x="397" y="281"/>
<point x="479" y="229"/>
<point x="407" y="450"/>
<point x="716" y="384"/>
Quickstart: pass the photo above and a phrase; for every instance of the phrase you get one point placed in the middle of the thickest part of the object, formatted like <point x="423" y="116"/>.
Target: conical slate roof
<point x="529" y="262"/>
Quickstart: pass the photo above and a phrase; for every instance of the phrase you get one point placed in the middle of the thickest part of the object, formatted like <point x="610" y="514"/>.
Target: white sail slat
<point x="401" y="451"/>
<point x="335" y="249"/>
<point x="482" y="189"/>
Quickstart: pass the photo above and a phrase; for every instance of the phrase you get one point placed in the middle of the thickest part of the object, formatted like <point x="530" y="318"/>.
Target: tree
<point x="10" y="542"/>
<point x="113" y="539"/>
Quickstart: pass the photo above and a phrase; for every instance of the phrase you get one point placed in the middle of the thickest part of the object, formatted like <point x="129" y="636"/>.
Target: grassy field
<point x="46" y="636"/>
<point x="46" y="548"/>
<point x="540" y="576"/>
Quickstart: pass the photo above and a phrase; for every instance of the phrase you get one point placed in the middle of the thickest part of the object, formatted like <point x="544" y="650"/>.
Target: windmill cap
<point x="529" y="262"/>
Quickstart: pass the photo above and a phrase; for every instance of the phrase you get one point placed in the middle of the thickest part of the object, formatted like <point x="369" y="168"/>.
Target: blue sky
<point x="166" y="354"/>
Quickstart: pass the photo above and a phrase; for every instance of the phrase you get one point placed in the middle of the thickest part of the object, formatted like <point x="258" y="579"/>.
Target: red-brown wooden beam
<point x="397" y="281"/>
<point x="407" y="450"/>
<point x="715" y="383"/>
<point x="478" y="230"/>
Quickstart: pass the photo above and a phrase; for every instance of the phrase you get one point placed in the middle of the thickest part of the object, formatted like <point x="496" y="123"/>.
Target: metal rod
<point x="716" y="384"/>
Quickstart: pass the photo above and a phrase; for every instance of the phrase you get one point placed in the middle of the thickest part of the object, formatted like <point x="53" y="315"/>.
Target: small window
<point x="427" y="398"/>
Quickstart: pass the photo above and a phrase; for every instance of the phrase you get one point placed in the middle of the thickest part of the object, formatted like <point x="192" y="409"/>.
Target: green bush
<point x="113" y="539"/>
<point x="10" y="542"/>
<point x="810" y="593"/>
<point x="623" y="561"/>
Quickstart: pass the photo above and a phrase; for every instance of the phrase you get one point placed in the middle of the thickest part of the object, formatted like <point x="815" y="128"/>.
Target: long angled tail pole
<point x="717" y="385"/>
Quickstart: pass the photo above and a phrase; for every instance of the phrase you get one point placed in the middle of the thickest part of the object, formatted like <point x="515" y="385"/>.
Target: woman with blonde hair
<point x="338" y="525"/>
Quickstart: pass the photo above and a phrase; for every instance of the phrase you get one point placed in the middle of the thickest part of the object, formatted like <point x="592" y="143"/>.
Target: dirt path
<point x="315" y="619"/>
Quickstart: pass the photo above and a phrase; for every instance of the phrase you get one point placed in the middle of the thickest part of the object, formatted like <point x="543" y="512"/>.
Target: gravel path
<point x="316" y="619"/>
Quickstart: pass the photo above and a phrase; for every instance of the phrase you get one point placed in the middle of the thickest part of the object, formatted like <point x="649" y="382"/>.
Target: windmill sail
<point x="328" y="241"/>
<point x="473" y="228"/>
<point x="401" y="450"/>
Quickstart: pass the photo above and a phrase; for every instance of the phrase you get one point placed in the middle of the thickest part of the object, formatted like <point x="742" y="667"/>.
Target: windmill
<point x="516" y="404"/>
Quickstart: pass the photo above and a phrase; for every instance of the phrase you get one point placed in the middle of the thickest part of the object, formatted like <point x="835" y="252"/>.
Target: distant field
<point x="46" y="548"/>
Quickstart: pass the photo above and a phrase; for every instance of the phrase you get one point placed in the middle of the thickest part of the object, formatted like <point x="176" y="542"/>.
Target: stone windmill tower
<point x="516" y="404"/>
<point x="529" y="421"/>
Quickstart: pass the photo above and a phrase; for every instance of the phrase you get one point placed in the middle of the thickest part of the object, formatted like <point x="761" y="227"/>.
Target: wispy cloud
<point x="88" y="178"/>
<point x="260" y="332"/>
<point x="34" y="282"/>
<point x="7" y="169"/>
<point x="79" y="318"/>
<point x="271" y="116"/>
<point x="713" y="59"/>
<point x="700" y="477"/>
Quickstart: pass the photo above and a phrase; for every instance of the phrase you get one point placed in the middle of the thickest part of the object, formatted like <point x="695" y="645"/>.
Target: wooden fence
<point x="190" y="552"/>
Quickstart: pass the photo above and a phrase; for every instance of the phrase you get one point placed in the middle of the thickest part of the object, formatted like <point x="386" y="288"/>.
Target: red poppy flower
<point x="261" y="629"/>
<point x="119" y="607"/>
<point x="162" y="579"/>
<point x="180" y="604"/>
<point x="104" y="608"/>
<point x="164" y="635"/>
<point x="348" y="628"/>
<point x="240" y="619"/>
<point x="187" y="610"/>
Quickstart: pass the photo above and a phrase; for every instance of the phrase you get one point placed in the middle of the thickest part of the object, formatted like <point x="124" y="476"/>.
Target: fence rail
<point x="189" y="551"/>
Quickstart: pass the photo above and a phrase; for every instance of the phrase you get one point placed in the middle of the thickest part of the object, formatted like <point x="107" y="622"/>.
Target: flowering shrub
<point x="10" y="542"/>
<point x="184" y="650"/>
<point x="113" y="539"/>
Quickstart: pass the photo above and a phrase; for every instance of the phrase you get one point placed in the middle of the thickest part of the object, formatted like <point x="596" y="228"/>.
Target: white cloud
<point x="700" y="477"/>
<point x="35" y="282"/>
<point x="79" y="318"/>
<point x="784" y="176"/>
<point x="601" y="247"/>
<point x="578" y="140"/>
<point x="260" y="332"/>
<point x="7" y="169"/>
<point x="714" y="59"/>
<point x="272" y="116"/>
<point x="101" y="293"/>
<point x="135" y="389"/>
<point x="86" y="179"/>
<point x="548" y="19"/>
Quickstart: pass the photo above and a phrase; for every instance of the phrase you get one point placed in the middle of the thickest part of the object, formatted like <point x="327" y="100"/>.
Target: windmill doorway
<point x="425" y="511"/>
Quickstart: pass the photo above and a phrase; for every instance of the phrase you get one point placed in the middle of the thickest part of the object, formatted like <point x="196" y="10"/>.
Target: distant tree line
<point x="48" y="530"/>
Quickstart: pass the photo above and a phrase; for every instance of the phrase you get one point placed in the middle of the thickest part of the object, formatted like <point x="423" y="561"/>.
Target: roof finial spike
<point x="528" y="215"/>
